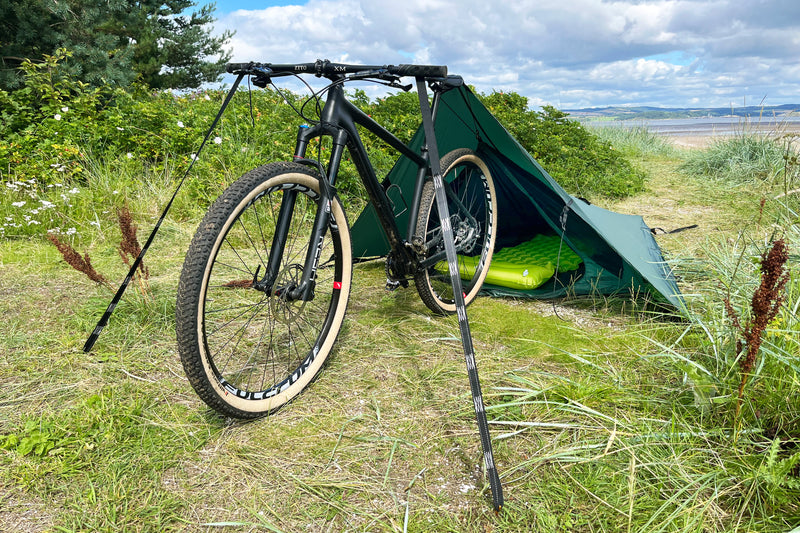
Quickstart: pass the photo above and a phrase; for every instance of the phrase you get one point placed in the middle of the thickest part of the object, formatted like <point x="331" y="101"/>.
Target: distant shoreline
<point x="700" y="132"/>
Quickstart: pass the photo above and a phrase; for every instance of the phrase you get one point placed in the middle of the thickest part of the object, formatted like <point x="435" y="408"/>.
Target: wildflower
<point x="74" y="190"/>
<point x="64" y="109"/>
<point x="57" y="116"/>
<point x="206" y="97"/>
<point x="120" y="129"/>
<point x="217" y="140"/>
<point x="180" y="124"/>
<point x="94" y="223"/>
<point x="71" y="231"/>
<point x="19" y="204"/>
<point x="115" y="192"/>
<point x="129" y="155"/>
<point x="46" y="204"/>
<point x="194" y="157"/>
<point x="36" y="222"/>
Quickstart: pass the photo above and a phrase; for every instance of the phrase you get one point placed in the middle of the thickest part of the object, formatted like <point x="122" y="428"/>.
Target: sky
<point x="570" y="54"/>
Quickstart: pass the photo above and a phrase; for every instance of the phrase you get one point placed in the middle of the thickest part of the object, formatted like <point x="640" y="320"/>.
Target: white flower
<point x="64" y="109"/>
<point x="19" y="204"/>
<point x="74" y="190"/>
<point x="115" y="192"/>
<point x="129" y="155"/>
<point x="207" y="97"/>
<point x="120" y="129"/>
<point x="33" y="222"/>
<point x="194" y="157"/>
<point x="94" y="223"/>
<point x="180" y="124"/>
<point x="46" y="204"/>
<point x="72" y="231"/>
<point x="217" y="140"/>
<point x="57" y="116"/>
<point x="244" y="149"/>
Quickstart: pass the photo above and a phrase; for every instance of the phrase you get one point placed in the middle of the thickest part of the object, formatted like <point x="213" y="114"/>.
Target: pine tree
<point x="163" y="43"/>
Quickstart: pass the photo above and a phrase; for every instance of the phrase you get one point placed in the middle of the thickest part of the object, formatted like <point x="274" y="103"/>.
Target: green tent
<point x="549" y="243"/>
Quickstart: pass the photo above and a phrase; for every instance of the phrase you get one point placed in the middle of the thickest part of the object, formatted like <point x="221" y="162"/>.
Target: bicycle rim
<point x="258" y="349"/>
<point x="473" y="218"/>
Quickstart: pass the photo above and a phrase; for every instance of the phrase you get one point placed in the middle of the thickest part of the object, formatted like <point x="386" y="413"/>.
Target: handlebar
<point x="325" y="68"/>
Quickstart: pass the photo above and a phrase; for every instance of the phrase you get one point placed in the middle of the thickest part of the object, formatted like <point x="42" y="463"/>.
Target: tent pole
<point x="458" y="295"/>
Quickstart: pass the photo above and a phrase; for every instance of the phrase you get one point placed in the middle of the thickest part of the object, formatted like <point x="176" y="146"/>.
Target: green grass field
<point x="604" y="416"/>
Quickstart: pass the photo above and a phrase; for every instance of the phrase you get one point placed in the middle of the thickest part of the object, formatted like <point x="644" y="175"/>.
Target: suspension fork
<point x="304" y="288"/>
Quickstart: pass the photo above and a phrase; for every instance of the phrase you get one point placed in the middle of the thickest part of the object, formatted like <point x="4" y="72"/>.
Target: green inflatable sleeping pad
<point x="525" y="266"/>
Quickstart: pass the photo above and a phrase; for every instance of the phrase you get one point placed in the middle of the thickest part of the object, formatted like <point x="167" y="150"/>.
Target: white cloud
<point x="581" y="53"/>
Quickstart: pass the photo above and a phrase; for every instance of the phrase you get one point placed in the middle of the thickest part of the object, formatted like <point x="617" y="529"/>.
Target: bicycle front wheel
<point x="247" y="343"/>
<point x="472" y="206"/>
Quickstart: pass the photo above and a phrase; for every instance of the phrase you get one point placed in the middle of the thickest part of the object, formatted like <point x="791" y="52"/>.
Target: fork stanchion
<point x="458" y="295"/>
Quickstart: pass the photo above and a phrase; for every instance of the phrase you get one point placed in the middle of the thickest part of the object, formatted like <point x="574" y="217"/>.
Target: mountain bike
<point x="266" y="280"/>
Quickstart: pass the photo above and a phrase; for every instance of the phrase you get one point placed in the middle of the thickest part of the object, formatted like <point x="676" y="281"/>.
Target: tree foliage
<point x="158" y="42"/>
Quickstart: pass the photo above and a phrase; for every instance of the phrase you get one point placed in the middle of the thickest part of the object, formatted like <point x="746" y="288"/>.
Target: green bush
<point x="56" y="133"/>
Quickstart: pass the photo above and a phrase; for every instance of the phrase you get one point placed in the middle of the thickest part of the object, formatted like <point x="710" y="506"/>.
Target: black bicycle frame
<point x="339" y="120"/>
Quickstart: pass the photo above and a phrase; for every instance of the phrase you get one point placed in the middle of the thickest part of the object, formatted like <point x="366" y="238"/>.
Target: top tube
<point x="324" y="68"/>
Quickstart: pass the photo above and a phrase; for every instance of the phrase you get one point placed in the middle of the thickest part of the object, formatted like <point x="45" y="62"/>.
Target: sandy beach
<point x="702" y="136"/>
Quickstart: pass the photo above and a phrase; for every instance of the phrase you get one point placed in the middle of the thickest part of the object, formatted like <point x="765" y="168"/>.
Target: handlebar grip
<point x="424" y="71"/>
<point x="235" y="68"/>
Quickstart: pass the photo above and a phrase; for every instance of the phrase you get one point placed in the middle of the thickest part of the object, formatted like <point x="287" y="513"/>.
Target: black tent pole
<point x="458" y="295"/>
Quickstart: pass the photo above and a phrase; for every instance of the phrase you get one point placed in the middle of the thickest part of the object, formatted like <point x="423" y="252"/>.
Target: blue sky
<point x="226" y="6"/>
<point x="580" y="53"/>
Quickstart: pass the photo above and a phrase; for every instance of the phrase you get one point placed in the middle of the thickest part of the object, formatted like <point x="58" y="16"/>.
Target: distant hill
<point x="648" y="112"/>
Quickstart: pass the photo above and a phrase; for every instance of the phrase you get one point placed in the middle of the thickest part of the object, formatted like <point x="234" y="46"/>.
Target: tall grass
<point x="635" y="141"/>
<point x="659" y="442"/>
<point x="744" y="158"/>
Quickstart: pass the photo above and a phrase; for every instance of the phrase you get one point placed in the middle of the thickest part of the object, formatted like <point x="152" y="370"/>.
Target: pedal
<point x="393" y="284"/>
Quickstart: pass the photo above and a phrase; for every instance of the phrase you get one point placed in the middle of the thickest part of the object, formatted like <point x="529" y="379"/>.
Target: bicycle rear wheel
<point x="247" y="346"/>
<point x="472" y="205"/>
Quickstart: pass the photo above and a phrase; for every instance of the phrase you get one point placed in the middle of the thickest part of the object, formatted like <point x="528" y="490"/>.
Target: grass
<point x="636" y="141"/>
<point x="604" y="418"/>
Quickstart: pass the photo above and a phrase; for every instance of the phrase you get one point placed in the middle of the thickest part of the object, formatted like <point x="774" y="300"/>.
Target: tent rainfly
<point x="549" y="243"/>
